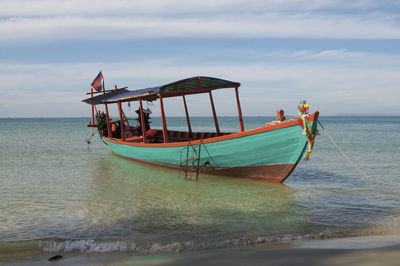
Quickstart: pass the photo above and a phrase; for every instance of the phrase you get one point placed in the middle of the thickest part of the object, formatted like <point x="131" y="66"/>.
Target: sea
<point x="59" y="194"/>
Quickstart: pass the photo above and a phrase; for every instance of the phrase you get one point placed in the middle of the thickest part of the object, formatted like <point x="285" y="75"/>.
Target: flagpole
<point x="104" y="87"/>
<point x="109" y="129"/>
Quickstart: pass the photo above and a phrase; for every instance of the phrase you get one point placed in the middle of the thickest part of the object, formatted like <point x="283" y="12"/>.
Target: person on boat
<point x="146" y="115"/>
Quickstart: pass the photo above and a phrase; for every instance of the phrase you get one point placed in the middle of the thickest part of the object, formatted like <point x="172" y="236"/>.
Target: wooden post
<point x="109" y="130"/>
<point x="214" y="114"/>
<point x="164" y="124"/>
<point x="142" y="122"/>
<point x="91" y="94"/>
<point x="239" y="110"/>
<point x="187" y="116"/>
<point x="121" y="121"/>
<point x="198" y="83"/>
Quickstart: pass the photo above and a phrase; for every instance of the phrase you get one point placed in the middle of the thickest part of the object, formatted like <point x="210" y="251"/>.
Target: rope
<point x="91" y="136"/>
<point x="209" y="155"/>
<point x="355" y="166"/>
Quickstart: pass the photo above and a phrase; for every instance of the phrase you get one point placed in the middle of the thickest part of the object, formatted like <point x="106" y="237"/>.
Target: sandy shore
<point x="378" y="256"/>
<point x="353" y="251"/>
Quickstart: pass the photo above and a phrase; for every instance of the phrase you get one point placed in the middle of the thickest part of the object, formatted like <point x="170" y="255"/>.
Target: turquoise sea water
<point x="59" y="194"/>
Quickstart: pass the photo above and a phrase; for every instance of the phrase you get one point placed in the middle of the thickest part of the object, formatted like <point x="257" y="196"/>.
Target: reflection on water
<point x="127" y="198"/>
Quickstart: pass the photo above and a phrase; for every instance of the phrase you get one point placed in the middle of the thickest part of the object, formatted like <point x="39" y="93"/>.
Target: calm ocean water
<point x="59" y="194"/>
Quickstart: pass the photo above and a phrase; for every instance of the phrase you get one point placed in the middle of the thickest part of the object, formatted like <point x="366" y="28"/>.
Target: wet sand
<point x="351" y="251"/>
<point x="379" y="256"/>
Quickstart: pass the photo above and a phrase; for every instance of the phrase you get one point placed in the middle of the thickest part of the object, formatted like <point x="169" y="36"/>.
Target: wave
<point x="156" y="247"/>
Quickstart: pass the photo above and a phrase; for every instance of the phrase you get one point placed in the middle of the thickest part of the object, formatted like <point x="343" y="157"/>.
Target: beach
<point x="378" y="250"/>
<point x="378" y="256"/>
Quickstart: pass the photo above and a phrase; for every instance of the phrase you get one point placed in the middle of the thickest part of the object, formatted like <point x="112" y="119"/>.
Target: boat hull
<point x="269" y="153"/>
<point x="273" y="173"/>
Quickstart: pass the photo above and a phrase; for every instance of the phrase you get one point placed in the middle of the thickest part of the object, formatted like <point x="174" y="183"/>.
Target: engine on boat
<point x="101" y="121"/>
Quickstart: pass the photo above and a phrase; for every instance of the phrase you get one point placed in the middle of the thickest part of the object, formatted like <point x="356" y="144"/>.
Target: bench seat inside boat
<point x="156" y="136"/>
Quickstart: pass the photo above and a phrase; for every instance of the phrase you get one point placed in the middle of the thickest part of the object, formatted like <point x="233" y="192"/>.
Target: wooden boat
<point x="270" y="152"/>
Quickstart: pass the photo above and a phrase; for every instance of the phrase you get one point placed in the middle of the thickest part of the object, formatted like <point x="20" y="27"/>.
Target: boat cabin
<point x="123" y="130"/>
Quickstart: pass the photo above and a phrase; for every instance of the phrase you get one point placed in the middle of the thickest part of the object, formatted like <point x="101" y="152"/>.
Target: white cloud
<point x="336" y="57"/>
<point x="301" y="53"/>
<point x="365" y="88"/>
<point x="330" y="53"/>
<point x="18" y="8"/>
<point x="329" y="77"/>
<point x="59" y="20"/>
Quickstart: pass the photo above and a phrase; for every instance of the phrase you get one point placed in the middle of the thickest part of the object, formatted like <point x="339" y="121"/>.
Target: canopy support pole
<point x="187" y="116"/>
<point x="239" y="110"/>
<point x="164" y="124"/>
<point x="91" y="94"/>
<point x="214" y="114"/>
<point x="109" y="130"/>
<point x="121" y="121"/>
<point x="142" y="122"/>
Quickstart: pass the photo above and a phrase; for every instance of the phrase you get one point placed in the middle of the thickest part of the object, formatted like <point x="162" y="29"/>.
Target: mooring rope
<point x="209" y="155"/>
<point x="91" y="136"/>
<point x="355" y="166"/>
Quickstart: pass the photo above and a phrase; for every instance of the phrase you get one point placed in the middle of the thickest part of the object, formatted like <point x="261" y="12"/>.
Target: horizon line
<point x="288" y="116"/>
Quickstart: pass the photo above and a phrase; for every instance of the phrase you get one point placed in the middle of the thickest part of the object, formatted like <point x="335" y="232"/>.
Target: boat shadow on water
<point x="145" y="209"/>
<point x="142" y="201"/>
<point x="148" y="206"/>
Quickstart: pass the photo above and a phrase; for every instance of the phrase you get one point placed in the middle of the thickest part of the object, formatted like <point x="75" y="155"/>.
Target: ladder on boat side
<point x="192" y="161"/>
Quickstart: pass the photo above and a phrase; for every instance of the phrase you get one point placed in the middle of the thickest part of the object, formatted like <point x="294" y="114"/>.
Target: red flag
<point x="98" y="82"/>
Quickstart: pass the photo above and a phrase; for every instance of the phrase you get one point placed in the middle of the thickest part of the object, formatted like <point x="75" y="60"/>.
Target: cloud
<point x="328" y="76"/>
<point x="61" y="20"/>
<point x="369" y="87"/>
<point x="333" y="57"/>
<point x="330" y="53"/>
<point x="29" y="8"/>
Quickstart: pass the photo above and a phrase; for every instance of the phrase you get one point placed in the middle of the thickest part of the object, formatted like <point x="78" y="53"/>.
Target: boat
<point x="270" y="152"/>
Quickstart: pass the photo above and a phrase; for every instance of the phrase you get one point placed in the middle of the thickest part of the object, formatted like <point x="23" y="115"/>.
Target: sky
<point x="342" y="56"/>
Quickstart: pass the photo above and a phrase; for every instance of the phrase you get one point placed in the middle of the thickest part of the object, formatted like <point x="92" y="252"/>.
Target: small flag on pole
<point x="98" y="82"/>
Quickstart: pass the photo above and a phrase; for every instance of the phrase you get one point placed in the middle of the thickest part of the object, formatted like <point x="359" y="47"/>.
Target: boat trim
<point x="218" y="138"/>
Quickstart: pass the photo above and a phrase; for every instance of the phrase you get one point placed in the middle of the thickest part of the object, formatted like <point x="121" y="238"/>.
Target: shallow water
<point x="59" y="194"/>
